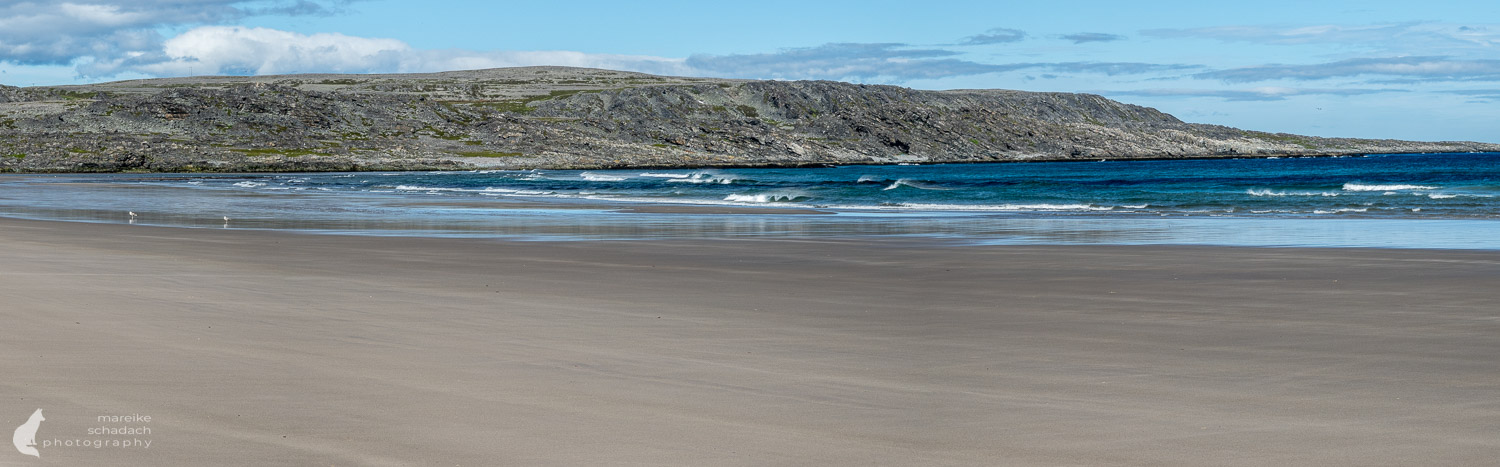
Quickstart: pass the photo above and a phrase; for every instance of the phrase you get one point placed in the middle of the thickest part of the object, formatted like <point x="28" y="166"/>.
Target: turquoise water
<point x="1413" y="201"/>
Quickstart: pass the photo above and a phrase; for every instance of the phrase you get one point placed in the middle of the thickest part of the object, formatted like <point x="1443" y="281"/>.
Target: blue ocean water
<point x="1429" y="200"/>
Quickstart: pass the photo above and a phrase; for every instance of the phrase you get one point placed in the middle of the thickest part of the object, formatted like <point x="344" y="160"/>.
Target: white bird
<point x="226" y="218"/>
<point x="132" y="213"/>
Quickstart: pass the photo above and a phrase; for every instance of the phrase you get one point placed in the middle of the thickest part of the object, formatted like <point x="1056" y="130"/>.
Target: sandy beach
<point x="267" y="348"/>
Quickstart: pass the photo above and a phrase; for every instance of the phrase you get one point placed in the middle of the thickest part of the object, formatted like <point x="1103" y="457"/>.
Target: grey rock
<point x="556" y="117"/>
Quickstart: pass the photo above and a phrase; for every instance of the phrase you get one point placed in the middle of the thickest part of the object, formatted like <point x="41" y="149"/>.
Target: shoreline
<point x="443" y="165"/>
<point x="690" y="222"/>
<point x="276" y="348"/>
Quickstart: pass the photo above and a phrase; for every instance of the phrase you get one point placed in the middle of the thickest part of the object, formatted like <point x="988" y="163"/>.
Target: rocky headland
<point x="558" y="117"/>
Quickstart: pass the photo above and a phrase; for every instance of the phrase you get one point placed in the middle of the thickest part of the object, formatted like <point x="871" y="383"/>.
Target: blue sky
<point x="1375" y="69"/>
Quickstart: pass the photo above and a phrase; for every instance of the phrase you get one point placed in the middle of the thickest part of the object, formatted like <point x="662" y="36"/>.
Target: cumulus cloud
<point x="1092" y="37"/>
<point x="1268" y="93"/>
<point x="233" y="50"/>
<point x="48" y="33"/>
<point x="1411" y="68"/>
<point x="255" y="51"/>
<point x="262" y="51"/>
<point x="106" y="38"/>
<point x="995" y="36"/>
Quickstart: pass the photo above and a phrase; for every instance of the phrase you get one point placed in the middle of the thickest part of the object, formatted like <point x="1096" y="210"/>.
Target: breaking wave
<point x="704" y="178"/>
<point x="1269" y="192"/>
<point x="762" y="198"/>
<point x="593" y="177"/>
<point x="1393" y="187"/>
<point x="906" y="182"/>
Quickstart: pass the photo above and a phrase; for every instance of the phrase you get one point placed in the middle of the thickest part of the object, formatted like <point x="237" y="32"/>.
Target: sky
<point x="1369" y="69"/>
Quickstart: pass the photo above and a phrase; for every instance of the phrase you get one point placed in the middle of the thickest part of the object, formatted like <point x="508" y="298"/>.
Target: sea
<point x="1447" y="201"/>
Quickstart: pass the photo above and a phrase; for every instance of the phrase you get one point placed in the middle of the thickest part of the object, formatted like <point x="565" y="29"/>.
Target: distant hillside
<point x="556" y="117"/>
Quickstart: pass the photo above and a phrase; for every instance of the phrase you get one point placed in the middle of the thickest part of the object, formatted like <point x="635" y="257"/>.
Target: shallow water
<point x="1396" y="201"/>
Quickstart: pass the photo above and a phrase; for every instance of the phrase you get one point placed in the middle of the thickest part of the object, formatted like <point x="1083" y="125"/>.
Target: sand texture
<point x="263" y="348"/>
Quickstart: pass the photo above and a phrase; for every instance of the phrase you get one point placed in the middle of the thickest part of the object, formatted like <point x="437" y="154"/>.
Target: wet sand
<point x="260" y="348"/>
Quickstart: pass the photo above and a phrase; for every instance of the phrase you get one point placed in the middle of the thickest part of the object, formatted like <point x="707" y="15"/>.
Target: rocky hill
<point x="556" y="117"/>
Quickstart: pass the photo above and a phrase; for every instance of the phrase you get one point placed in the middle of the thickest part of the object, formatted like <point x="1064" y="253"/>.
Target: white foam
<point x="487" y="190"/>
<point x="869" y="179"/>
<point x="664" y="175"/>
<point x="508" y="191"/>
<point x="249" y="184"/>
<point x="1393" y="187"/>
<point x="763" y="198"/>
<point x="1269" y="192"/>
<point x="986" y="207"/>
<point x="704" y="177"/>
<point x="593" y="177"/>
<point x="687" y="201"/>
<point x="428" y="188"/>
<point x="1340" y="210"/>
<point x="1441" y="196"/>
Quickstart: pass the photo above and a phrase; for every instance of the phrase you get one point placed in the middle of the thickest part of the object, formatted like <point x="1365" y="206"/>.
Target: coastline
<point x="313" y="164"/>
<point x="273" y="347"/>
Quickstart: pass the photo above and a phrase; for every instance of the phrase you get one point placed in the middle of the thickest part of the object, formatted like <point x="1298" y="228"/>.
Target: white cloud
<point x="230" y="50"/>
<point x="263" y="51"/>
<point x="46" y="33"/>
<point x="104" y="15"/>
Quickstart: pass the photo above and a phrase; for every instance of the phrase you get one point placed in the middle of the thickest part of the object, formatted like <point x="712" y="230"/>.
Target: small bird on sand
<point x="226" y="218"/>
<point x="132" y="213"/>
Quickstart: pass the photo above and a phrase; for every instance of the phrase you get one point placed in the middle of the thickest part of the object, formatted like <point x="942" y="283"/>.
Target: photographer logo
<point x="25" y="437"/>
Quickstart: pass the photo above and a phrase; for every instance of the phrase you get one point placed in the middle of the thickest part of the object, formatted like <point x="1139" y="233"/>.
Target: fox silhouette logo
<point x="25" y="438"/>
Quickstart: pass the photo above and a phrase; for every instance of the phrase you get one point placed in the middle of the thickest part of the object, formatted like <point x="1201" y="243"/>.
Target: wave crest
<point x="593" y="177"/>
<point x="906" y="182"/>
<point x="1270" y="192"/>
<point x="762" y="198"/>
<point x="705" y="178"/>
<point x="1351" y="186"/>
